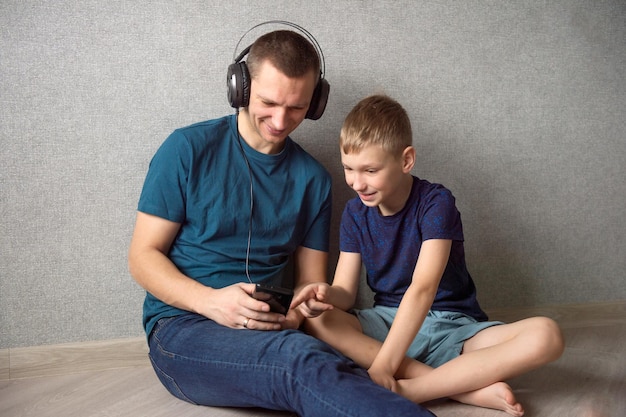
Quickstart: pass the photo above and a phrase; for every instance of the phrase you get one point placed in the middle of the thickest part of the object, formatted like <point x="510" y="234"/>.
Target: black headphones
<point x="238" y="76"/>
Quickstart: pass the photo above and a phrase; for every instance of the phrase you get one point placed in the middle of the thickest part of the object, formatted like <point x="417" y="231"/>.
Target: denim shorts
<point x="440" y="338"/>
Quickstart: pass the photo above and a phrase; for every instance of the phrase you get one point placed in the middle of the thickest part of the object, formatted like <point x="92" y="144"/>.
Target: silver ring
<point x="245" y="323"/>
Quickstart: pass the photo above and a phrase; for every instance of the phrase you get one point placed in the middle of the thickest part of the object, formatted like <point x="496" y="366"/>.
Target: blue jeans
<point x="204" y="363"/>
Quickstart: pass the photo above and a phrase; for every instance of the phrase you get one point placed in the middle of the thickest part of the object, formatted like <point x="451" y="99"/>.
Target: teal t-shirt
<point x="199" y="178"/>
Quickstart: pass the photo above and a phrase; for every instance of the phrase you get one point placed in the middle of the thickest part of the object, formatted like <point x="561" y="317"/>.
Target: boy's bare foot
<point x="498" y="396"/>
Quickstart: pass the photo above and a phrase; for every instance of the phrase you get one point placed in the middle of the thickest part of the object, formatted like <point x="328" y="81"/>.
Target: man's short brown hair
<point x="287" y="50"/>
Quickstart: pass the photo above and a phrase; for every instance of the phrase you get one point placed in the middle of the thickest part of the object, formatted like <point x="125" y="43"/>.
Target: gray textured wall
<point x="518" y="107"/>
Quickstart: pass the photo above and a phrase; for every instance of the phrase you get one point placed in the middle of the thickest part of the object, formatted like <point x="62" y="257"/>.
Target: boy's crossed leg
<point x="476" y="377"/>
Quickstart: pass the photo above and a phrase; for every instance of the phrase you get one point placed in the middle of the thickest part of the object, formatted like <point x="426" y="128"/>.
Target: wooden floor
<point x="113" y="378"/>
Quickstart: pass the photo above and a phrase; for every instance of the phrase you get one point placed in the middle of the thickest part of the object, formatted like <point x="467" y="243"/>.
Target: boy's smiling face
<point x="379" y="178"/>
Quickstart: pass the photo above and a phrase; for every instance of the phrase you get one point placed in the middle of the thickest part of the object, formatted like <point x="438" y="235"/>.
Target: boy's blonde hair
<point x="376" y="120"/>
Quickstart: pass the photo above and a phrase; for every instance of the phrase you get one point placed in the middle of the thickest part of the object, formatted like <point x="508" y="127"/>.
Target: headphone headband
<point x="305" y="32"/>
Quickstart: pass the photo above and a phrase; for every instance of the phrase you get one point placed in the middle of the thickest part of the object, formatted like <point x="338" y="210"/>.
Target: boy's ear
<point x="408" y="159"/>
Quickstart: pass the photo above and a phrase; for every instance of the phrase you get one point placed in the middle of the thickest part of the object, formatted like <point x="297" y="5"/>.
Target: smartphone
<point x="278" y="298"/>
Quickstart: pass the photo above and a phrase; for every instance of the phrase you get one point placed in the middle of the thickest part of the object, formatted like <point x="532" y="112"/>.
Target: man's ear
<point x="408" y="159"/>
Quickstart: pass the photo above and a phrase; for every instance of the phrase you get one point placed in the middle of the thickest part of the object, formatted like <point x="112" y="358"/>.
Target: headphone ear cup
<point x="238" y="85"/>
<point x="319" y="100"/>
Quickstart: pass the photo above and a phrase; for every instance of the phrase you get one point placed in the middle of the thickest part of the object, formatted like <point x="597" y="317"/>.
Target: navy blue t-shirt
<point x="199" y="178"/>
<point x="390" y="245"/>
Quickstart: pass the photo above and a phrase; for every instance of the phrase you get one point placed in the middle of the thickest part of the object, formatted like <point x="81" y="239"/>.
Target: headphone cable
<point x="239" y="140"/>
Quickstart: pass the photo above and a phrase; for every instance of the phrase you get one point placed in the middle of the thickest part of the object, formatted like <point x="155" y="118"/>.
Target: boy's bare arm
<point x="315" y="298"/>
<point x="346" y="280"/>
<point x="309" y="278"/>
<point x="414" y="307"/>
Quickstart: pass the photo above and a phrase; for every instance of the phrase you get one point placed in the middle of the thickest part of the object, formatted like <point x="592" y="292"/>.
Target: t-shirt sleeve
<point x="440" y="218"/>
<point x="164" y="190"/>
<point x="348" y="231"/>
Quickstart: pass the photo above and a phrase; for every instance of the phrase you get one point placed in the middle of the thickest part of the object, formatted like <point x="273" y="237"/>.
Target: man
<point x="225" y="205"/>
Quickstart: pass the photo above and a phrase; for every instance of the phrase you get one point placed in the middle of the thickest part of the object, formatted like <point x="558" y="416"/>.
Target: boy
<point x="426" y="336"/>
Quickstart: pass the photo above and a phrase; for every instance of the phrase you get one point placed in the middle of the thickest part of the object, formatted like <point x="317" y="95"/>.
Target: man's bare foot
<point x="498" y="396"/>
